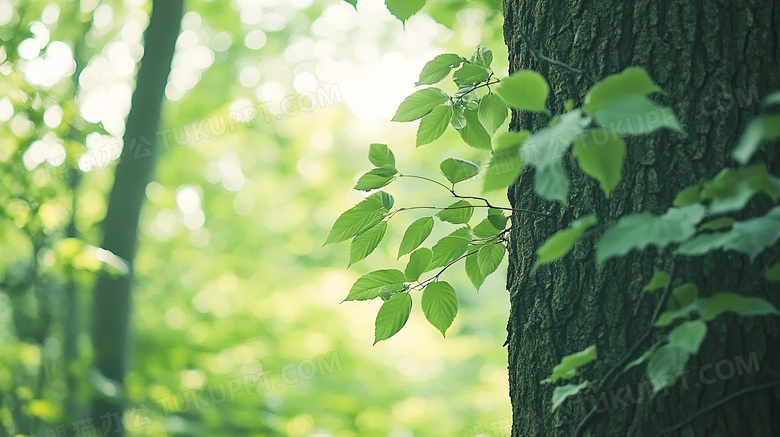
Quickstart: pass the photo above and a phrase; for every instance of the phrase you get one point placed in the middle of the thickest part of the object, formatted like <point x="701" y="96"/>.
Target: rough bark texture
<point x="111" y="313"/>
<point x="713" y="59"/>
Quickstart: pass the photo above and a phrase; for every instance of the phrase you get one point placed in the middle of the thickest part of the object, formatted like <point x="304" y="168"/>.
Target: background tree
<point x="713" y="61"/>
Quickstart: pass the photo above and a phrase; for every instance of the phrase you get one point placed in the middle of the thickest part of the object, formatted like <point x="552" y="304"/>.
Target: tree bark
<point x="713" y="60"/>
<point x="111" y="313"/>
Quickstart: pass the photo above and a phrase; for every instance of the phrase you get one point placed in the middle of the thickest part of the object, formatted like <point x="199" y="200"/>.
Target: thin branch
<point x="542" y="58"/>
<point x="719" y="403"/>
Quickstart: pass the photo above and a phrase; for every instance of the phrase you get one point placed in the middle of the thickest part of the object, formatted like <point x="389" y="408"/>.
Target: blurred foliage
<point x="231" y="276"/>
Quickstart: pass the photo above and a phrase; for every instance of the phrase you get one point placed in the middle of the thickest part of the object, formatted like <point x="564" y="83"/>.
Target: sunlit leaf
<point x="457" y="213"/>
<point x="418" y="263"/>
<point x="415" y="234"/>
<point x="392" y="316"/>
<point x="485" y="229"/>
<point x="489" y="258"/>
<point x="458" y="170"/>
<point x="365" y="243"/>
<point x="419" y="104"/>
<point x="375" y="178"/>
<point x="450" y="247"/>
<point x="470" y="73"/>
<point x="473" y="133"/>
<point x="525" y="89"/>
<point x="361" y="217"/>
<point x="492" y="112"/>
<point x="482" y="56"/>
<point x="440" y="305"/>
<point x="433" y="125"/>
<point x="506" y="162"/>
<point x="437" y="69"/>
<point x="403" y="9"/>
<point x="381" y="156"/>
<point x="367" y="287"/>
<point x="474" y="272"/>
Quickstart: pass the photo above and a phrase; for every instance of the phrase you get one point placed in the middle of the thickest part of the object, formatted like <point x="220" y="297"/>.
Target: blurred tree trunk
<point x="713" y="60"/>
<point x="111" y="312"/>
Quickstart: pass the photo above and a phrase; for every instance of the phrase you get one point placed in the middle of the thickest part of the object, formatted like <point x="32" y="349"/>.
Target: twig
<point x="717" y="404"/>
<point x="541" y="57"/>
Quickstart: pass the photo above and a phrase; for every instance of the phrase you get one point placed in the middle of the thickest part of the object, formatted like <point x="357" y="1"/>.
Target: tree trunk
<point x="713" y="60"/>
<point x="112" y="293"/>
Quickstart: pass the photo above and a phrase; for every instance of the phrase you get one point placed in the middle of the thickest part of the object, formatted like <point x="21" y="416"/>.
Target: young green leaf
<point x="635" y="114"/>
<point x="365" y="243"/>
<point x="712" y="307"/>
<point x="489" y="258"/>
<point x="659" y="280"/>
<point x="731" y="189"/>
<point x="392" y="316"/>
<point x="682" y="296"/>
<point x="473" y="133"/>
<point x="415" y="234"/>
<point x="482" y="56"/>
<point x="525" y="89"/>
<point x="492" y="112"/>
<point x="368" y="286"/>
<point x="631" y="81"/>
<point x="750" y="237"/>
<point x="551" y="182"/>
<point x="560" y="394"/>
<point x="419" y="104"/>
<point x="718" y="223"/>
<point x="688" y="196"/>
<point x="689" y="336"/>
<point x="600" y="154"/>
<point x="376" y="178"/>
<point x="433" y="125"/>
<point x="458" y="121"/>
<point x="562" y="242"/>
<point x="437" y="69"/>
<point x="469" y="74"/>
<point x="485" y="229"/>
<point x="381" y="156"/>
<point x="567" y="369"/>
<point x="497" y="218"/>
<point x="458" y="170"/>
<point x="403" y="9"/>
<point x="666" y="365"/>
<point x="361" y="217"/>
<point x="450" y="247"/>
<point x="474" y="272"/>
<point x="773" y="273"/>
<point x="645" y="229"/>
<point x="440" y="305"/>
<point x="418" y="263"/>
<point x="457" y="213"/>
<point x="759" y="129"/>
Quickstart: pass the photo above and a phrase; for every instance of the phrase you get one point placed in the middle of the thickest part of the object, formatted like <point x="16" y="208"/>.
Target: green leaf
<point x="392" y="316"/>
<point x="492" y="112"/>
<point x="352" y="2"/>
<point x="719" y="223"/>
<point x="567" y="369"/>
<point x="731" y="189"/>
<point x="682" y="296"/>
<point x="506" y="162"/>
<point x="551" y="182"/>
<point x="457" y="213"/>
<point x="635" y="114"/>
<point x="469" y="74"/>
<point x="473" y="133"/>
<point x="600" y="154"/>
<point x="403" y="9"/>
<point x="482" y="56"/>
<point x="365" y="243"/>
<point x="361" y="217"/>
<point x="433" y="125"/>
<point x="645" y="357"/>
<point x="750" y="237"/>
<point x="689" y="336"/>
<point x="458" y="170"/>
<point x="458" y="121"/>
<point x="497" y="218"/>
<point x="638" y="231"/>
<point x="688" y="196"/>
<point x="489" y="258"/>
<point x="418" y="263"/>
<point x="485" y="229"/>
<point x="659" y="280"/>
<point x="440" y="305"/>
<point x="474" y="272"/>
<point x="415" y="234"/>
<point x="631" y="81"/>
<point x="759" y="129"/>
<point x="376" y="178"/>
<point x="381" y="156"/>
<point x="450" y="247"/>
<point x="712" y="307"/>
<point x="773" y="273"/>
<point x="666" y="365"/>
<point x="562" y="241"/>
<point x="525" y="89"/>
<point x="368" y="286"/>
<point x="419" y="104"/>
<point x="437" y="69"/>
<point x="560" y="394"/>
